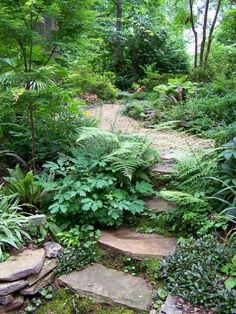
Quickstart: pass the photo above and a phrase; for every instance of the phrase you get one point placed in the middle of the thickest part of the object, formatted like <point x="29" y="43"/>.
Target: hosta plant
<point x="13" y="225"/>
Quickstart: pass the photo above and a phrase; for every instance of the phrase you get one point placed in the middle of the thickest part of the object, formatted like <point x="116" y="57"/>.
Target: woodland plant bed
<point x="196" y="272"/>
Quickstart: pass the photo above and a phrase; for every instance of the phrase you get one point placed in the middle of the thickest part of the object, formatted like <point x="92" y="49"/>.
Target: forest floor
<point x="178" y="143"/>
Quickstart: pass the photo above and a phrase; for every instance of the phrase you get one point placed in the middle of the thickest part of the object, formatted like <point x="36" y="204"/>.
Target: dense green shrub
<point x="106" y="176"/>
<point x="55" y="132"/>
<point x="85" y="80"/>
<point x="193" y="272"/>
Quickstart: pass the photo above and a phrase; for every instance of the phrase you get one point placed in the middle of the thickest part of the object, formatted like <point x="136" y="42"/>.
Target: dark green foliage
<point x="104" y="178"/>
<point x="193" y="272"/>
<point x="81" y="249"/>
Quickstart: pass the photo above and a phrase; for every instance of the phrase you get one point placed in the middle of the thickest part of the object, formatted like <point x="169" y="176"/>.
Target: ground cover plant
<point x="196" y="272"/>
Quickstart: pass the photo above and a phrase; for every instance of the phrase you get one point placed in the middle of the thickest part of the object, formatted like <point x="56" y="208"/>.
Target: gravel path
<point x="179" y="144"/>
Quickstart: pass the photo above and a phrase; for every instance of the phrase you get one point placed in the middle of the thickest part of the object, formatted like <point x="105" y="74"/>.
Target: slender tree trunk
<point x="33" y="137"/>
<point x="210" y="37"/>
<point x="204" y="31"/>
<point x="118" y="48"/>
<point x="195" y="33"/>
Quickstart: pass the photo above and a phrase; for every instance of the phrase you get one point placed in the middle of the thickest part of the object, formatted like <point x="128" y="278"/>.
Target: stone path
<point x="137" y="245"/>
<point x="110" y="286"/>
<point x="159" y="205"/>
<point x="22" y="275"/>
<point x="169" y="143"/>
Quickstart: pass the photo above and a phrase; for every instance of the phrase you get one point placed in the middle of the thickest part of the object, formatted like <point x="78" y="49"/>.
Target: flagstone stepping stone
<point x="6" y="299"/>
<point x="137" y="245"/>
<point x="17" y="302"/>
<point x="159" y="205"/>
<point x="172" y="156"/>
<point x="22" y="265"/>
<point x="9" y="287"/>
<point x="110" y="286"/>
<point x="166" y="168"/>
<point x="48" y="266"/>
<point x="43" y="282"/>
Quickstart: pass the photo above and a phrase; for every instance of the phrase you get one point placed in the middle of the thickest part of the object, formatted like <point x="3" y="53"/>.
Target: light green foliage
<point x="13" y="225"/>
<point x="76" y="235"/>
<point x="192" y="215"/>
<point x="177" y="89"/>
<point x="23" y="187"/>
<point x="194" y="272"/>
<point x="230" y="270"/>
<point x="194" y="173"/>
<point x="105" y="177"/>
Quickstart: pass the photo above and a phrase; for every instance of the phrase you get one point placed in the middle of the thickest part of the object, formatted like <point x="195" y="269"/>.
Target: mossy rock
<point x="68" y="303"/>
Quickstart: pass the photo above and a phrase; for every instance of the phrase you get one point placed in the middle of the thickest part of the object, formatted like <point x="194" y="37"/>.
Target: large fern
<point x="124" y="153"/>
<point x="194" y="173"/>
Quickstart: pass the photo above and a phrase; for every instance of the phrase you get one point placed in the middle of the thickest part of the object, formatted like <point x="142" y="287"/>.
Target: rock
<point x="164" y="169"/>
<point x="22" y="265"/>
<point x="17" y="302"/>
<point x="43" y="282"/>
<point x="53" y="249"/>
<point x="137" y="245"/>
<point x="9" y="287"/>
<point x="48" y="266"/>
<point x="110" y="286"/>
<point x="6" y="299"/>
<point x="170" y="306"/>
<point x="159" y="205"/>
<point x="153" y="312"/>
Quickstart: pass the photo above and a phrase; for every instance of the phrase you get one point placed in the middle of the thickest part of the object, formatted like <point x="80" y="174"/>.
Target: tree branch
<point x="194" y="32"/>
<point x="210" y="37"/>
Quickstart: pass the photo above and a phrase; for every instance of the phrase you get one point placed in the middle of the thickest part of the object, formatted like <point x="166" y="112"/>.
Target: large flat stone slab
<point x="9" y="287"/>
<point x="110" y="286"/>
<point x="6" y="299"/>
<point x="164" y="169"/>
<point x="159" y="205"/>
<point x="22" y="265"/>
<point x="17" y="302"/>
<point x="138" y="245"/>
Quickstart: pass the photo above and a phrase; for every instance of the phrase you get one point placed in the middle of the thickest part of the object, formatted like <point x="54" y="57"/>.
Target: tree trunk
<point x="210" y="37"/>
<point x="118" y="48"/>
<point x="33" y="139"/>
<point x="204" y="30"/>
<point x="194" y="32"/>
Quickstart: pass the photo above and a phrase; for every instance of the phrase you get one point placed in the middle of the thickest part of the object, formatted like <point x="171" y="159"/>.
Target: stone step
<point x="22" y="265"/>
<point x="17" y="302"/>
<point x="159" y="205"/>
<point x="109" y="286"/>
<point x="137" y="245"/>
<point x="165" y="168"/>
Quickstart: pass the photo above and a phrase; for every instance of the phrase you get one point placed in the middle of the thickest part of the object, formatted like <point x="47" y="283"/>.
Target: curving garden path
<point x="108" y="285"/>
<point x="179" y="144"/>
